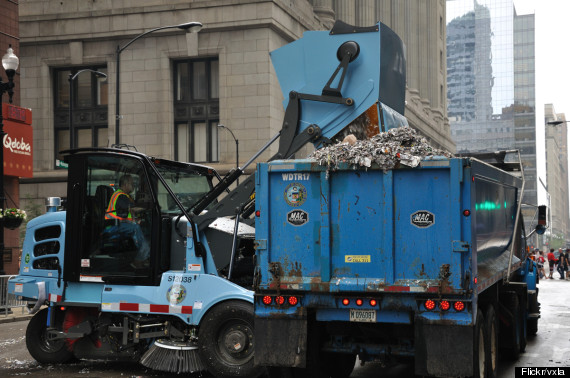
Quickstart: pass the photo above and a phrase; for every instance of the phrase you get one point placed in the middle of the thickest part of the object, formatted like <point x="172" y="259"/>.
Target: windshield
<point x="187" y="183"/>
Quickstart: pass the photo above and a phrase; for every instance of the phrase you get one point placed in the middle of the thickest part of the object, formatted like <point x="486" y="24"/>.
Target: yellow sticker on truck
<point x="357" y="258"/>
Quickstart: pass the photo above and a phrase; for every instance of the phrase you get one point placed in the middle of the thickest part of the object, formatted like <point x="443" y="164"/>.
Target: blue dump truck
<point x="426" y="264"/>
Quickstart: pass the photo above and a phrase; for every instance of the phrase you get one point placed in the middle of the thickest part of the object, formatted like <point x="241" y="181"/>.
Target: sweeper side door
<point x="113" y="222"/>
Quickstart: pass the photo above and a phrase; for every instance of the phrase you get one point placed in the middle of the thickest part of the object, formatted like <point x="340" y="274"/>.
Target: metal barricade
<point x="9" y="303"/>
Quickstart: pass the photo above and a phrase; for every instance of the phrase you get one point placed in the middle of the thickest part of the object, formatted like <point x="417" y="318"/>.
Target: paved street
<point x="551" y="347"/>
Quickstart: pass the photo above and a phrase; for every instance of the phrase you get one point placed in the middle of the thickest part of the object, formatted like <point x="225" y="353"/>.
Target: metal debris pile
<point x="388" y="150"/>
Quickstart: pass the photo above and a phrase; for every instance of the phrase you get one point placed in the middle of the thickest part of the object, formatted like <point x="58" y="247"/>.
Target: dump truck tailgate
<point x="361" y="230"/>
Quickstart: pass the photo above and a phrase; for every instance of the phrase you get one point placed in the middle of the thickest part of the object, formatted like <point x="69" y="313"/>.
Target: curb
<point x="11" y="319"/>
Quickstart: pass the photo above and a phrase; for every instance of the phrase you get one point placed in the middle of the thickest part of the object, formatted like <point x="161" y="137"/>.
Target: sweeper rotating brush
<point x="173" y="356"/>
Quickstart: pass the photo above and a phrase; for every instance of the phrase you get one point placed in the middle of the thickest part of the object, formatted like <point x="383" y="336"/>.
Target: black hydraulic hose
<point x="234" y="243"/>
<point x="228" y="180"/>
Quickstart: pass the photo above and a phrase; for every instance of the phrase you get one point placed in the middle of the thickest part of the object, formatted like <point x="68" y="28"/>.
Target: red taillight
<point x="475" y="280"/>
<point x="258" y="213"/>
<point x="429" y="304"/>
<point x="280" y="300"/>
<point x="346" y="301"/>
<point x="359" y="302"/>
<point x="267" y="300"/>
<point x="459" y="306"/>
<point x="293" y="301"/>
<point x="373" y="302"/>
<point x="444" y="305"/>
<point x="62" y="308"/>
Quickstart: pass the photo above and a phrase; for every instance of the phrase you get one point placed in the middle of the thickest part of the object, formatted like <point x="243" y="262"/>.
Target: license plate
<point x="368" y="316"/>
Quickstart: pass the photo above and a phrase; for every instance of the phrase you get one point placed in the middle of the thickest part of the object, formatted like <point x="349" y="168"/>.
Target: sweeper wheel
<point x="41" y="349"/>
<point x="225" y="340"/>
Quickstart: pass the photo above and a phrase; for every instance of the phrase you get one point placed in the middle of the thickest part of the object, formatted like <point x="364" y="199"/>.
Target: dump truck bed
<point x="445" y="226"/>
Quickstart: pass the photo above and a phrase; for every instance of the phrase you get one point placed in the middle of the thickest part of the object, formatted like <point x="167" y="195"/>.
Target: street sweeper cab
<point x="148" y="263"/>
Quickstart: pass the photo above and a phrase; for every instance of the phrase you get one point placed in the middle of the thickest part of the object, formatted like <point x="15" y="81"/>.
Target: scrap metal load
<point x="388" y="150"/>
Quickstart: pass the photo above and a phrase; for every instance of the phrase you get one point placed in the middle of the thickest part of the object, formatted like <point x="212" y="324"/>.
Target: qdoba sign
<point x="18" y="141"/>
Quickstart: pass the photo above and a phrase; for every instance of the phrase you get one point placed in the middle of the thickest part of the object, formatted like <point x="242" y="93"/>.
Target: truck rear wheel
<point x="510" y="332"/>
<point x="479" y="347"/>
<point x="534" y="309"/>
<point x="41" y="349"/>
<point x="339" y="365"/>
<point x="225" y="340"/>
<point x="492" y="339"/>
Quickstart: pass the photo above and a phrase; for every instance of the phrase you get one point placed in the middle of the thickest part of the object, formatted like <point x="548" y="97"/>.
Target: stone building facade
<point x="175" y="87"/>
<point x="556" y="148"/>
<point x="9" y="36"/>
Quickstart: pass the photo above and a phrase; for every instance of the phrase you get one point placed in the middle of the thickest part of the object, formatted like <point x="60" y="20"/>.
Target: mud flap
<point x="280" y="342"/>
<point x="443" y="350"/>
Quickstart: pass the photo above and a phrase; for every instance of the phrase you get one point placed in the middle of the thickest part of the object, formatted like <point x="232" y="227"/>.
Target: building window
<point x="196" y="109"/>
<point x="90" y="102"/>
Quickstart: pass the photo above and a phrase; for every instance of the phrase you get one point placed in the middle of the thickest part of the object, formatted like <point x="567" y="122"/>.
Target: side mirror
<point x="540" y="229"/>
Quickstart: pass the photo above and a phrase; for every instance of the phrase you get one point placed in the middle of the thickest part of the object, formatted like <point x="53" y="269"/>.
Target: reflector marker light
<point x="267" y="300"/>
<point x="459" y="306"/>
<point x="444" y="305"/>
<point x="280" y="300"/>
<point x="293" y="301"/>
<point x="429" y="304"/>
<point x="258" y="213"/>
<point x="466" y="212"/>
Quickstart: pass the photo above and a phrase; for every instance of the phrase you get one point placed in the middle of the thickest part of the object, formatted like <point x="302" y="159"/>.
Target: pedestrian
<point x="540" y="263"/>
<point x="561" y="263"/>
<point x="551" y="262"/>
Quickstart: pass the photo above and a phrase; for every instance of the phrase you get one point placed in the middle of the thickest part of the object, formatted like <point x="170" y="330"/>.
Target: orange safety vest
<point x="111" y="212"/>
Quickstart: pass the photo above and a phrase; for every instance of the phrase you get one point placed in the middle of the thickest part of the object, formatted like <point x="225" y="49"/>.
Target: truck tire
<point x="339" y="365"/>
<point x="479" y="347"/>
<point x="510" y="332"/>
<point x="533" y="308"/>
<point x="279" y="372"/>
<point x="492" y="338"/>
<point x="225" y="340"/>
<point x="41" y="349"/>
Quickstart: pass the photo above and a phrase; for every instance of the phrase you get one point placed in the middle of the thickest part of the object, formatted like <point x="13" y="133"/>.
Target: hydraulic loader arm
<point x="365" y="91"/>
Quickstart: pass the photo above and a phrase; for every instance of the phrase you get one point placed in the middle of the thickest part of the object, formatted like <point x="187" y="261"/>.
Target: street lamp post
<point x="237" y="147"/>
<point x="71" y="78"/>
<point x="10" y="63"/>
<point x="192" y="27"/>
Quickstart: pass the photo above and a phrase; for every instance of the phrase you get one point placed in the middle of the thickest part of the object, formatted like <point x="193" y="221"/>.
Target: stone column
<point x="345" y="10"/>
<point x="324" y="11"/>
<point x="366" y="13"/>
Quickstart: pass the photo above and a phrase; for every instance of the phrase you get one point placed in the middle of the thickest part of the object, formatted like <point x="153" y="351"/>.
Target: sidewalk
<point x="17" y="314"/>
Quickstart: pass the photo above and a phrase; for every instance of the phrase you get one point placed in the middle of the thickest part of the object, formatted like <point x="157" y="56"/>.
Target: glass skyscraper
<point x="490" y="81"/>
